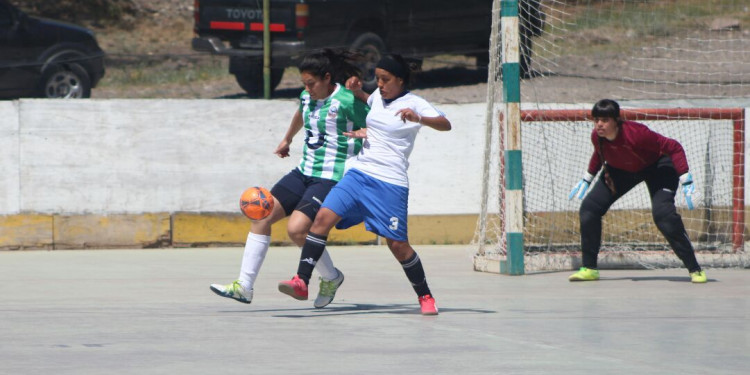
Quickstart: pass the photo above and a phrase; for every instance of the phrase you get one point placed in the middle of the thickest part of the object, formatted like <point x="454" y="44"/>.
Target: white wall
<point x="135" y="156"/>
<point x="139" y="156"/>
<point x="445" y="172"/>
<point x="9" y="178"/>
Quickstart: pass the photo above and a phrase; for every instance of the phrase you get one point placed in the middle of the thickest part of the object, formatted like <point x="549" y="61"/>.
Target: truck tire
<point x="373" y="48"/>
<point x="483" y="64"/>
<point x="483" y="60"/>
<point x="249" y="75"/>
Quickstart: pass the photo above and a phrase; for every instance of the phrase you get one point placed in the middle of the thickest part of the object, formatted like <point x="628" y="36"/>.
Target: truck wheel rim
<point x="371" y="58"/>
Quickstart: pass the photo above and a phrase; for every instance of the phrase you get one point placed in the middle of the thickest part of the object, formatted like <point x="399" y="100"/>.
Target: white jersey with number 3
<point x="390" y="140"/>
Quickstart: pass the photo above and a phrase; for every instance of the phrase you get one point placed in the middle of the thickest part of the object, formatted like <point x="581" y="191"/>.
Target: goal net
<point x="680" y="67"/>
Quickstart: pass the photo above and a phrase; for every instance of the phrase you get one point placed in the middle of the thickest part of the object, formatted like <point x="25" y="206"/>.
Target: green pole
<point x="513" y="223"/>
<point x="266" y="49"/>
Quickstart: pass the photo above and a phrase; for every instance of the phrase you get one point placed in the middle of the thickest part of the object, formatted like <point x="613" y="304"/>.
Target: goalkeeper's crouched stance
<point x="628" y="153"/>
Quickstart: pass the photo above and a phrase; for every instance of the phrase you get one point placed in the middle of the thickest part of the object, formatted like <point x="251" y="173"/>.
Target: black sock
<point x="415" y="274"/>
<point x="311" y="252"/>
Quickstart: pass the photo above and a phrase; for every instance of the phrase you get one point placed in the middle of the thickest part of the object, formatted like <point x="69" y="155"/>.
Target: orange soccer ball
<point x="256" y="203"/>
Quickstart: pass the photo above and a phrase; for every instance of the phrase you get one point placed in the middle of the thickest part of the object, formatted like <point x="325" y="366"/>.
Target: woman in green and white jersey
<point x="327" y="110"/>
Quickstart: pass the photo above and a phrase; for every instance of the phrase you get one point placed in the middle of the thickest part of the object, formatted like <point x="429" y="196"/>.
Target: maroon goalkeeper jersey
<point x="635" y="148"/>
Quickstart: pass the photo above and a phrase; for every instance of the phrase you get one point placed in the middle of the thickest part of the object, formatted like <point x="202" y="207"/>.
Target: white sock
<point x="325" y="267"/>
<point x="256" y="248"/>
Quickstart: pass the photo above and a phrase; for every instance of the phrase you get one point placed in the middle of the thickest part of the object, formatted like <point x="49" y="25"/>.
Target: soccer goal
<point x="683" y="78"/>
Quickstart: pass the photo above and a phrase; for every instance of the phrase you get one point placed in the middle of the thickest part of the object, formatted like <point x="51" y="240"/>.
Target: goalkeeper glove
<point x="686" y="180"/>
<point x="581" y="186"/>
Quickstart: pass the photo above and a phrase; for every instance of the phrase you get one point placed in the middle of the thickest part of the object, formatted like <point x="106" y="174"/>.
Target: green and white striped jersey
<point x="326" y="147"/>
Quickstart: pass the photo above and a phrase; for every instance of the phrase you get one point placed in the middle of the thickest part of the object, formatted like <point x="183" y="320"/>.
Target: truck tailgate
<point x="225" y="18"/>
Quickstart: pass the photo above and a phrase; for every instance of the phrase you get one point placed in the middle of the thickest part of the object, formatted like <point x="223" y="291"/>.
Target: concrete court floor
<point x="151" y="312"/>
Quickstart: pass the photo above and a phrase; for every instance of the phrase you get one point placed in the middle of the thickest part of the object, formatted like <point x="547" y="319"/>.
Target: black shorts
<point x="296" y="191"/>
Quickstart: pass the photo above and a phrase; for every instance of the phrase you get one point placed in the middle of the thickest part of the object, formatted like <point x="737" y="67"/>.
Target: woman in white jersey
<point x="327" y="111"/>
<point x="376" y="188"/>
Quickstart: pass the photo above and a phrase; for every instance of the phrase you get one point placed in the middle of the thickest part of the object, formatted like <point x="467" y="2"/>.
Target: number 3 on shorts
<point x="394" y="223"/>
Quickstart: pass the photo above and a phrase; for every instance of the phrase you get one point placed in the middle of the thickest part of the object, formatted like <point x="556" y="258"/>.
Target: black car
<point x="45" y="58"/>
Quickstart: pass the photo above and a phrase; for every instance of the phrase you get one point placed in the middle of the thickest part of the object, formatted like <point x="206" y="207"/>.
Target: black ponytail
<point x="339" y="63"/>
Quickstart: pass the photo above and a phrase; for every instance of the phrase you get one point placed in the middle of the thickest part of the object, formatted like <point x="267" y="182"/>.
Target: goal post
<point x="557" y="147"/>
<point x="735" y="115"/>
<point x="679" y="67"/>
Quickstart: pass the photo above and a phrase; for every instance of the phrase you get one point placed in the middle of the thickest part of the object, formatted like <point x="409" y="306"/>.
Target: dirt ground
<point x="703" y="65"/>
<point x="439" y="84"/>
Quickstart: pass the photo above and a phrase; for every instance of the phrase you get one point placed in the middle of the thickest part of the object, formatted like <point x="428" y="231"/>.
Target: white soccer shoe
<point x="328" y="290"/>
<point x="234" y="291"/>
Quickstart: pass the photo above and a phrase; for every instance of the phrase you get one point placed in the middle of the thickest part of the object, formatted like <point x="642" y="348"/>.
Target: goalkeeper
<point x="629" y="153"/>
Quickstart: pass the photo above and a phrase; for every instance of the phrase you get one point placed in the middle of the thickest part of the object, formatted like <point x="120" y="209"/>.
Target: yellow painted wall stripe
<point x="183" y="229"/>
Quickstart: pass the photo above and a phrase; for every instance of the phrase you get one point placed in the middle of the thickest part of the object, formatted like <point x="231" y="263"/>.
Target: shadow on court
<point x="677" y="279"/>
<point x="367" y="309"/>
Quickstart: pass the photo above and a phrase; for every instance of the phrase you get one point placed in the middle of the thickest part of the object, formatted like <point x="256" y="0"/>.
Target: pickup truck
<point x="413" y="28"/>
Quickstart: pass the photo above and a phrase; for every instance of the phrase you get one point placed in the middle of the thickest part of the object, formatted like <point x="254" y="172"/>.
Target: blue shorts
<point x="382" y="206"/>
<point x="295" y="191"/>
